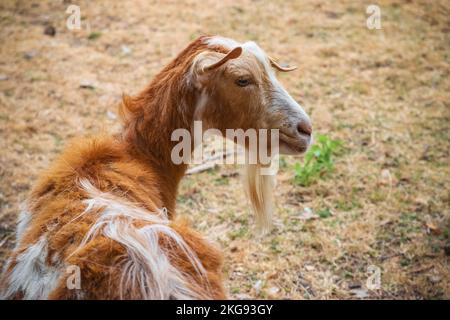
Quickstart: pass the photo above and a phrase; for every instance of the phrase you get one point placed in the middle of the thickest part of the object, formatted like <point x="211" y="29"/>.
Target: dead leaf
<point x="434" y="279"/>
<point x="125" y="50"/>
<point x="386" y="178"/>
<point x="50" y="31"/>
<point x="420" y="270"/>
<point x="230" y="174"/>
<point x="432" y="228"/>
<point x="111" y="115"/>
<point x="257" y="286"/>
<point x="354" y="285"/>
<point x="87" y="84"/>
<point x="309" y="267"/>
<point x="307" y="214"/>
<point x="272" y="291"/>
<point x="447" y="250"/>
<point x="360" y="293"/>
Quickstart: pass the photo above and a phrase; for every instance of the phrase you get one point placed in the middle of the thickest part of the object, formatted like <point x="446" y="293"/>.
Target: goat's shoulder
<point x="55" y="219"/>
<point x="103" y="161"/>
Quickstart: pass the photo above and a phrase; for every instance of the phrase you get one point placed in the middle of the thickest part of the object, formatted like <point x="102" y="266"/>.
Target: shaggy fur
<point x="106" y="206"/>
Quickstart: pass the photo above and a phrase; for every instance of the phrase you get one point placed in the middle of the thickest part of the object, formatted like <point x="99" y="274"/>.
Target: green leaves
<point x="324" y="213"/>
<point x="318" y="160"/>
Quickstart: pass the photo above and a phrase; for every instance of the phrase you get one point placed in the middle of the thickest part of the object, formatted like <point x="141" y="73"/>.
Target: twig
<point x="386" y="257"/>
<point x="422" y="269"/>
<point x="201" y="168"/>
<point x="221" y="156"/>
<point x="5" y="239"/>
<point x="210" y="163"/>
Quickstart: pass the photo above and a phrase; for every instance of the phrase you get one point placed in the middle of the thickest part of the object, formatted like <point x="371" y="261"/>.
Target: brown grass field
<point x="384" y="93"/>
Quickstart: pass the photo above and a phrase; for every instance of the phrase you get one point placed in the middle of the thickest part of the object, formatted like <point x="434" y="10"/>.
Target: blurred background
<point x="365" y="215"/>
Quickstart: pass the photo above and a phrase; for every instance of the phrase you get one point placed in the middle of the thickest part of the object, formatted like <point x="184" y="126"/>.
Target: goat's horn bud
<point x="280" y="68"/>
<point x="233" y="54"/>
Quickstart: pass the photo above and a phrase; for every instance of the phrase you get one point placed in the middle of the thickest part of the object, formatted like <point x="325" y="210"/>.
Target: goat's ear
<point x="280" y="68"/>
<point x="233" y="54"/>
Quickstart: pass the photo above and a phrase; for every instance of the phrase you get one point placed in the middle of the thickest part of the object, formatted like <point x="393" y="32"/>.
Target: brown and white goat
<point x="106" y="206"/>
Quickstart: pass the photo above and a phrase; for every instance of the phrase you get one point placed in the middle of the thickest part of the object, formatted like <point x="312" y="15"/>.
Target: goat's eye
<point x="242" y="82"/>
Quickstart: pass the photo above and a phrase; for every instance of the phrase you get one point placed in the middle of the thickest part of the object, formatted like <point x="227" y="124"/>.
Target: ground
<point x="383" y="93"/>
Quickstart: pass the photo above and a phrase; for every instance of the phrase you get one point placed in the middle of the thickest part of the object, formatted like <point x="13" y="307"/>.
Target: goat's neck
<point x="166" y="105"/>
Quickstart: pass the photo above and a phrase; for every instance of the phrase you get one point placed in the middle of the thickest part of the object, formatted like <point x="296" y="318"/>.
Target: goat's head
<point x="237" y="89"/>
<point x="240" y="91"/>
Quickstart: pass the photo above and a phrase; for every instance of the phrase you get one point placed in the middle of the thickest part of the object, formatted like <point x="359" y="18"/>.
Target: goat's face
<point x="239" y="90"/>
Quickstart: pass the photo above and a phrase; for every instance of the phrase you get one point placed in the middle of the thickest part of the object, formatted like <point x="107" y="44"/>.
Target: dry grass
<point x="384" y="93"/>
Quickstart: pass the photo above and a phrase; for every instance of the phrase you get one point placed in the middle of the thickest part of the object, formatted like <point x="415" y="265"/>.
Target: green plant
<point x="94" y="35"/>
<point x="239" y="233"/>
<point x="318" y="160"/>
<point x="324" y="213"/>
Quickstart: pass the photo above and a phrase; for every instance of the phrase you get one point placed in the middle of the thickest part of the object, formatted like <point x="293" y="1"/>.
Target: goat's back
<point x="95" y="227"/>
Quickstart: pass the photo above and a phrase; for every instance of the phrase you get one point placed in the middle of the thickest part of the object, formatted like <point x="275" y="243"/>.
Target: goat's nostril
<point x="304" y="127"/>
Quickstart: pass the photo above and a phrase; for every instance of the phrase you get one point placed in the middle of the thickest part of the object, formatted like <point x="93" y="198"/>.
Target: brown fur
<point x="135" y="166"/>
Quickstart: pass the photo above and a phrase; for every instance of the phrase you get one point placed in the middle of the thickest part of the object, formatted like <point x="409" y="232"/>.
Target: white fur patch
<point x="31" y="275"/>
<point x="249" y="46"/>
<point x="200" y="106"/>
<point x="23" y="222"/>
<point x="222" y="41"/>
<point x="147" y="268"/>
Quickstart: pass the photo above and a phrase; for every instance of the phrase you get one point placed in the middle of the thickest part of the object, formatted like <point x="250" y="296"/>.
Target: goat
<point x="106" y="207"/>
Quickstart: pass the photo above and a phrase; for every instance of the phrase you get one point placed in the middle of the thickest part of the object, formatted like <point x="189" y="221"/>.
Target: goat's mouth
<point x="290" y="144"/>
